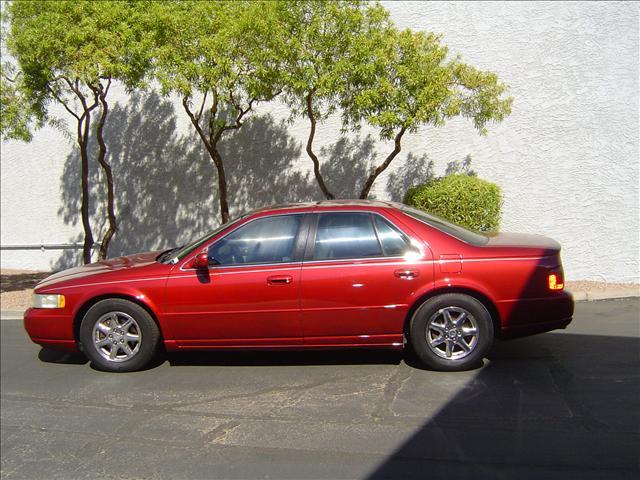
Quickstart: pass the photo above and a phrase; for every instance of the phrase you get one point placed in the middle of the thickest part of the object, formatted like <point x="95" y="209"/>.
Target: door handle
<point x="280" y="280"/>
<point x="406" y="274"/>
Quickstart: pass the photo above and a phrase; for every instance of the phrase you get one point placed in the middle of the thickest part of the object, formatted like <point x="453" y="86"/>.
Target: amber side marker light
<point x="555" y="282"/>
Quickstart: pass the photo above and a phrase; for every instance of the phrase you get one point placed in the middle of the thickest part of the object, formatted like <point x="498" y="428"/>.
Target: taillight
<point x="556" y="282"/>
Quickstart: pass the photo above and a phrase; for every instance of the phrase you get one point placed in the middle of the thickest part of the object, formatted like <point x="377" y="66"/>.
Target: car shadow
<point x="284" y="357"/>
<point x="557" y="405"/>
<point x="47" y="355"/>
<point x="246" y="358"/>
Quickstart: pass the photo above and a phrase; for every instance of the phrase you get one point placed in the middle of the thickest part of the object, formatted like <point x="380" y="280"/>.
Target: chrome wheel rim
<point x="452" y="333"/>
<point x="117" y="336"/>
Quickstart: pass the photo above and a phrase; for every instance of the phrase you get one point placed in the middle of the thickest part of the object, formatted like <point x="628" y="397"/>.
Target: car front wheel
<point x="451" y="332"/>
<point x="119" y="336"/>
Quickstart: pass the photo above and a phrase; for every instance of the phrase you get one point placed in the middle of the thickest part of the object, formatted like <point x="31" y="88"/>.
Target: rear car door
<point x="251" y="297"/>
<point x="358" y="277"/>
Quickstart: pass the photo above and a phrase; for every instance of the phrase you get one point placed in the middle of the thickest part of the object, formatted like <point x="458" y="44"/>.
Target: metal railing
<point x="47" y="246"/>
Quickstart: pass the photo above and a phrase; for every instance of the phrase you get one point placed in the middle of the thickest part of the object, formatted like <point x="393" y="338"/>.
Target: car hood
<point x="138" y="261"/>
<point x="523" y="240"/>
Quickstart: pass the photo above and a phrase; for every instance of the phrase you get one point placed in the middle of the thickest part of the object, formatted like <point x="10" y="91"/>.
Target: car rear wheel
<point x="119" y="336"/>
<point x="451" y="332"/>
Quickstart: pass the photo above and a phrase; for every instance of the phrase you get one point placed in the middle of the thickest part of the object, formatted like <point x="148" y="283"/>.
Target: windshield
<point x="181" y="252"/>
<point x="452" y="229"/>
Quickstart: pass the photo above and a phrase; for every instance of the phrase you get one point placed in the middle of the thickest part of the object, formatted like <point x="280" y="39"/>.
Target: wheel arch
<point x="84" y="308"/>
<point x="481" y="297"/>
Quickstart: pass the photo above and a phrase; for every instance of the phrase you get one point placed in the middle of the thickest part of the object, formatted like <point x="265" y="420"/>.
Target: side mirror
<point x="201" y="261"/>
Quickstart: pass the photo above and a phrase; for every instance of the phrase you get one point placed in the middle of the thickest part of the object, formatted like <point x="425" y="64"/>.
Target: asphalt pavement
<point x="559" y="405"/>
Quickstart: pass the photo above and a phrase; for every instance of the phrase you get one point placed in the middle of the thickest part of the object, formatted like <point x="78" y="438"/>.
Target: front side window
<point x="265" y="240"/>
<point x="345" y="235"/>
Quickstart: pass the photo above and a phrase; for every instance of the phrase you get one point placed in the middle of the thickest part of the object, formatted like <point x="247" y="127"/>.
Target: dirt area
<point x="16" y="287"/>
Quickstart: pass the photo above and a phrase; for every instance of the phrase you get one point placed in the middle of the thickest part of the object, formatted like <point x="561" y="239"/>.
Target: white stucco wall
<point x="567" y="158"/>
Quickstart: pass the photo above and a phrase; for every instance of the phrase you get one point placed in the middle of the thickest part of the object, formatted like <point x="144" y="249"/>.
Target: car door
<point x="251" y="297"/>
<point x="359" y="273"/>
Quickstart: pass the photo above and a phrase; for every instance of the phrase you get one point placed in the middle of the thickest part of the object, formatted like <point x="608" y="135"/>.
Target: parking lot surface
<point x="558" y="405"/>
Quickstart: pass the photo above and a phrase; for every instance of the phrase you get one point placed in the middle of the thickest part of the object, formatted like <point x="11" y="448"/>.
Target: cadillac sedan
<point x="334" y="274"/>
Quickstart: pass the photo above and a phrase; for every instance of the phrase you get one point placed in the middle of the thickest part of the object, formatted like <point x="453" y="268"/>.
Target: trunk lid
<point x="523" y="240"/>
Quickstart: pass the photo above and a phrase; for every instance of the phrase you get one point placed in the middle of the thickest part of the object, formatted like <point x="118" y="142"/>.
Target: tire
<point x="451" y="332"/>
<point x="119" y="336"/>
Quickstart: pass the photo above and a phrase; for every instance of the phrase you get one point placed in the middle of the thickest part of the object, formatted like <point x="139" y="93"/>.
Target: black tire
<point x="121" y="321"/>
<point x="441" y="344"/>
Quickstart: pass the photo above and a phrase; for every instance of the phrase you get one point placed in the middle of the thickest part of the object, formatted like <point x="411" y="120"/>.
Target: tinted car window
<point x="265" y="240"/>
<point x="393" y="241"/>
<point x="454" y="230"/>
<point x="345" y="235"/>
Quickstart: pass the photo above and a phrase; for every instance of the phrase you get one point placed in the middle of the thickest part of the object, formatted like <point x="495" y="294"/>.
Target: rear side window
<point x="394" y="242"/>
<point x="345" y="235"/>
<point x="265" y="240"/>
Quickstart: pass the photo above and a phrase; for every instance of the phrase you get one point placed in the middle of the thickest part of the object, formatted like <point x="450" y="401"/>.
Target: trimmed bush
<point x="466" y="200"/>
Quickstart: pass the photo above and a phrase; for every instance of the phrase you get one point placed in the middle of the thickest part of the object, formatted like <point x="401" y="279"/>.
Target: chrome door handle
<point x="406" y="274"/>
<point x="280" y="280"/>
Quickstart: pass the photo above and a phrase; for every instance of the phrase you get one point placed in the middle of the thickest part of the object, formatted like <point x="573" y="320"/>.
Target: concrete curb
<point x="11" y="314"/>
<point x="611" y="294"/>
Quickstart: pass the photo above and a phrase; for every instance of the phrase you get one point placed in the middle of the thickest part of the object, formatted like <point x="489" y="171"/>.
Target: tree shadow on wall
<point x="346" y="165"/>
<point x="414" y="171"/>
<point x="418" y="170"/>
<point x="166" y="184"/>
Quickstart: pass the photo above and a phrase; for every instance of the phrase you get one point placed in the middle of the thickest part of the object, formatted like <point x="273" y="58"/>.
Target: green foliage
<point x="462" y="199"/>
<point x="65" y="44"/>
<point x="17" y="114"/>
<point x="347" y="57"/>
<point x="413" y="83"/>
<point x="230" y="50"/>
<point x="327" y="43"/>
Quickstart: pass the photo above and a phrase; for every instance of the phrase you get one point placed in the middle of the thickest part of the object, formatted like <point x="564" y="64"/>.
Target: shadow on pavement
<point x="52" y="356"/>
<point x="551" y="406"/>
<point x="274" y="358"/>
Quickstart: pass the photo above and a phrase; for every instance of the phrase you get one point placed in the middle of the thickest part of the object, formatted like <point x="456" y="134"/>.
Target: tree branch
<point x="204" y="101"/>
<point x="310" y="152"/>
<point x="366" y="189"/>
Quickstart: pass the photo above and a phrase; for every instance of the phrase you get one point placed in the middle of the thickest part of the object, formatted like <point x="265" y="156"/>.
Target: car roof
<point x="325" y="204"/>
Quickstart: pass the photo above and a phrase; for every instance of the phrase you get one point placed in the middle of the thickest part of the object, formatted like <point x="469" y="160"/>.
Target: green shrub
<point x="462" y="199"/>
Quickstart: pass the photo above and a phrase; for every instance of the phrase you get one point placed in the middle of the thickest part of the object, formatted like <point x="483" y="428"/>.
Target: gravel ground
<point x="16" y="292"/>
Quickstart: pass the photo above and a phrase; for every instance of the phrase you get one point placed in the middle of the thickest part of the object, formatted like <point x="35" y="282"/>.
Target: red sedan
<point x="338" y="274"/>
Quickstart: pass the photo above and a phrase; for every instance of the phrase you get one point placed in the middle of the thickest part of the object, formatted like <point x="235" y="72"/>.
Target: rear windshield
<point x="452" y="229"/>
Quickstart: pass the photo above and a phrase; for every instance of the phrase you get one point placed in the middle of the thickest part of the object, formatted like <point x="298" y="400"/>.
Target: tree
<point x="221" y="59"/>
<point x="348" y="58"/>
<point x="69" y="53"/>
<point x="327" y="44"/>
<point x="18" y="114"/>
<point x="413" y="84"/>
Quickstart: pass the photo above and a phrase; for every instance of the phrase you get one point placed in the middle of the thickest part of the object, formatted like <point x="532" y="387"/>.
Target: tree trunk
<point x="215" y="157"/>
<point x="222" y="185"/>
<point x="106" y="168"/>
<point x="366" y="189"/>
<point x="83" y="131"/>
<point x="312" y="155"/>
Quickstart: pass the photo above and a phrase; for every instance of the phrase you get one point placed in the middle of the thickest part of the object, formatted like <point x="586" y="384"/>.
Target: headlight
<point x="48" y="301"/>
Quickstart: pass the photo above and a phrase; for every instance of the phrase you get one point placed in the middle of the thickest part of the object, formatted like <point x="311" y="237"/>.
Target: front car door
<point x="251" y="297"/>
<point x="359" y="274"/>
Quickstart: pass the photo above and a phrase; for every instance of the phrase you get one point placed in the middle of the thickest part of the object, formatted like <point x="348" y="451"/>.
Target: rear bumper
<point x="50" y="329"/>
<point x="535" y="315"/>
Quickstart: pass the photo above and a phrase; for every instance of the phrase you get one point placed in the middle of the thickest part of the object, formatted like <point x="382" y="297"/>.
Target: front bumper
<point x="50" y="328"/>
